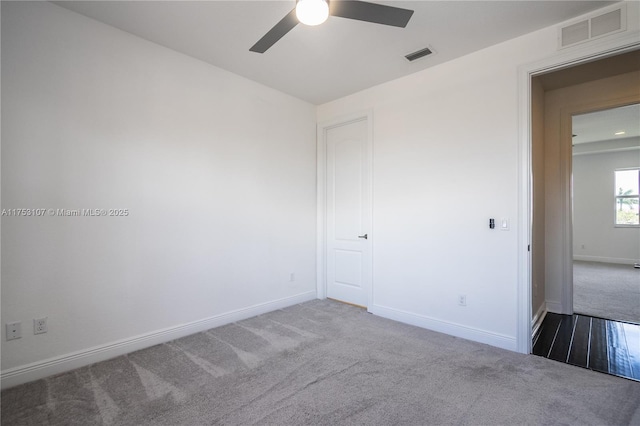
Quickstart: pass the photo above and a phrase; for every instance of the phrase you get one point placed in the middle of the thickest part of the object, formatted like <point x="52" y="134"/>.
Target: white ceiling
<point x="337" y="58"/>
<point x="603" y="125"/>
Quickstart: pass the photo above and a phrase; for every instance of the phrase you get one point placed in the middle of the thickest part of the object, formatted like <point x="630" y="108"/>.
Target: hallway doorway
<point x="606" y="224"/>
<point x="556" y="97"/>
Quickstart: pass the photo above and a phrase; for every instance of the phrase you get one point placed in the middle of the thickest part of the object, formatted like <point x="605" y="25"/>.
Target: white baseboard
<point x="621" y="261"/>
<point x="555" y="307"/>
<point x="537" y="319"/>
<point x="38" y="370"/>
<point x="465" y="332"/>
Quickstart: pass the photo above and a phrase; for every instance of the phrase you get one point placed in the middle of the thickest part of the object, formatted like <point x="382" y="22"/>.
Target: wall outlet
<point x="14" y="330"/>
<point x="462" y="299"/>
<point x="292" y="277"/>
<point x="40" y="325"/>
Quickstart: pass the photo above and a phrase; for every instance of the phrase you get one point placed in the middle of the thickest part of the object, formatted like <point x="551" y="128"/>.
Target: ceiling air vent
<point x="419" y="54"/>
<point x="594" y="26"/>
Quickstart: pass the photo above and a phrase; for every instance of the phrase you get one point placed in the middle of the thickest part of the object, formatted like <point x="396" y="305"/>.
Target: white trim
<point x="604" y="151"/>
<point x="372" y="236"/>
<point x="566" y="173"/>
<point x="525" y="204"/>
<point x="453" y="329"/>
<point x="555" y="307"/>
<point x="574" y="55"/>
<point x="321" y="222"/>
<point x="321" y="201"/>
<point x="620" y="261"/>
<point x="536" y="321"/>
<point x="38" y="370"/>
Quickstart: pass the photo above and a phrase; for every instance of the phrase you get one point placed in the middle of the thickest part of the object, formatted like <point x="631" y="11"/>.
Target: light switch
<point x="504" y="224"/>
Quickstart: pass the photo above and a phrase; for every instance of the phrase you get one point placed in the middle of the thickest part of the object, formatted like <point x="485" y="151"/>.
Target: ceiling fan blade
<point x="370" y="12"/>
<point x="285" y="25"/>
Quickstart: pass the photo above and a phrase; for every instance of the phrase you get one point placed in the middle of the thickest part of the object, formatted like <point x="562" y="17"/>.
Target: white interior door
<point x="348" y="212"/>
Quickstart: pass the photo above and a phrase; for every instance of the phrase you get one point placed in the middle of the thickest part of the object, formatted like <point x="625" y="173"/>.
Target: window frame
<point x="616" y="198"/>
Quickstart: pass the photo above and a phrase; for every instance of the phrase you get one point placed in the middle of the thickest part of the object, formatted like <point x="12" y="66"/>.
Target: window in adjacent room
<point x="627" y="197"/>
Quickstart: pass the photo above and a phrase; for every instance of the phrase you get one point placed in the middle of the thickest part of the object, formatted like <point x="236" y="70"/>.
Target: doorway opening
<point x="606" y="224"/>
<point x="557" y="98"/>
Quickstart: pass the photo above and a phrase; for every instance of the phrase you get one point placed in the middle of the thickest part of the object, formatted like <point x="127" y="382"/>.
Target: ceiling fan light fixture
<point x="312" y="12"/>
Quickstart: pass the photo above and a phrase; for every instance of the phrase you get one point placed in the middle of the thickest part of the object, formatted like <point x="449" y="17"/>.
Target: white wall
<point x="594" y="235"/>
<point x="445" y="161"/>
<point x="218" y="174"/>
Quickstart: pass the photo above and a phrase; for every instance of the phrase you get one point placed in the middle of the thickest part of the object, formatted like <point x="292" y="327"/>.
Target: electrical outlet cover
<point x="14" y="330"/>
<point x="40" y="325"/>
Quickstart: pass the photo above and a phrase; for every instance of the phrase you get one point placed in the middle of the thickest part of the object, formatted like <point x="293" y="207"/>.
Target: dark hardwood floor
<point x="603" y="345"/>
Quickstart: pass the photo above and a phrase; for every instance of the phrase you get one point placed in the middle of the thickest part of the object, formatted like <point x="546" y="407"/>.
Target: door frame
<point x="600" y="49"/>
<point x="321" y="191"/>
<point x="566" y="158"/>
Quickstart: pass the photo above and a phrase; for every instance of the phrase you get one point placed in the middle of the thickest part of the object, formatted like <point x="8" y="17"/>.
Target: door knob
<point x="365" y="236"/>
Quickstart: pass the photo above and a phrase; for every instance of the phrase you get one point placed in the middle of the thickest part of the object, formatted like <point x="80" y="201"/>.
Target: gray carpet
<point x="325" y="363"/>
<point x="606" y="290"/>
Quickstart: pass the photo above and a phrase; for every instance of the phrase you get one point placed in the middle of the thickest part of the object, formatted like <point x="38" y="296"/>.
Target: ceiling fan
<point x="314" y="12"/>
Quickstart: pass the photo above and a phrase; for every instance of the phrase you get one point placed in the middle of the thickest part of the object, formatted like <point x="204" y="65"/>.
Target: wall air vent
<point x="595" y="26"/>
<point x="575" y="33"/>
<point x="419" y="54"/>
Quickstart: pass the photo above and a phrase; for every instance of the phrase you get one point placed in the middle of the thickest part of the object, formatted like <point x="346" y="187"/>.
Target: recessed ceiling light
<point x="619" y="133"/>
